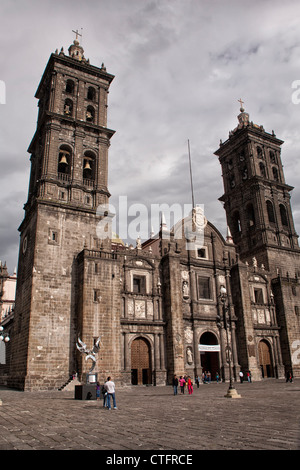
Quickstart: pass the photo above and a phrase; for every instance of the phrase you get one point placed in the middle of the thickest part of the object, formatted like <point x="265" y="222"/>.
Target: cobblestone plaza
<point x="266" y="417"/>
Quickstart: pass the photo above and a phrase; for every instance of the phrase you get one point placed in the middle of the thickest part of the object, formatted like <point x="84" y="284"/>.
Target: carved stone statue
<point x="185" y="289"/>
<point x="189" y="356"/>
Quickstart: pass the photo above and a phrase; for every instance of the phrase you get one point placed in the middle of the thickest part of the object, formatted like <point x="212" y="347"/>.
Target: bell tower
<point x="69" y="151"/>
<point x="257" y="203"/>
<point x="256" y="197"/>
<point x="68" y="181"/>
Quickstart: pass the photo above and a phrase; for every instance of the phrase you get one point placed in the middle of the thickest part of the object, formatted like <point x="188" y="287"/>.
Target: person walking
<point x="111" y="392"/>
<point x="185" y="380"/>
<point x="190" y="385"/>
<point x="289" y="376"/>
<point x="104" y="395"/>
<point x="182" y="384"/>
<point x="175" y="384"/>
<point x="98" y="391"/>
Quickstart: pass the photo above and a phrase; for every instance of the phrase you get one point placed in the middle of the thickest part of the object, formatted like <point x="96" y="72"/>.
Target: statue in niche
<point x="185" y="289"/>
<point x="189" y="356"/>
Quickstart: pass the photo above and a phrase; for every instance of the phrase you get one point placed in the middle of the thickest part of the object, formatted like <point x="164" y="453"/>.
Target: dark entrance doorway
<point x="210" y="359"/>
<point x="141" y="373"/>
<point x="265" y="360"/>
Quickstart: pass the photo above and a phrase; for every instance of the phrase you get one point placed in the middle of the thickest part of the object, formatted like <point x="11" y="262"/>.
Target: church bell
<point x="87" y="165"/>
<point x="63" y="159"/>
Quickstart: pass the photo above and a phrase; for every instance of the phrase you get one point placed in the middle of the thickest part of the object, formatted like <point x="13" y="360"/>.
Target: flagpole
<point x="193" y="203"/>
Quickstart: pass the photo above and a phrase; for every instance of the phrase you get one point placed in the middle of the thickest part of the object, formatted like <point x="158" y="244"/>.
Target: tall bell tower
<point x="68" y="181"/>
<point x="258" y="209"/>
<point x="256" y="197"/>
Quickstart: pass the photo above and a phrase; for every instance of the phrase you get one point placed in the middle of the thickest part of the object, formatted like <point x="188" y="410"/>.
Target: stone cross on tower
<point x="77" y="34"/>
<point x="241" y="103"/>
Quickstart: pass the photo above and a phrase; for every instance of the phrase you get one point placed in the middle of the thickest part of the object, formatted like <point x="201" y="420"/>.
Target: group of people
<point x="206" y="377"/>
<point x="248" y="375"/>
<point x="108" y="391"/>
<point x="182" y="382"/>
<point x="185" y="382"/>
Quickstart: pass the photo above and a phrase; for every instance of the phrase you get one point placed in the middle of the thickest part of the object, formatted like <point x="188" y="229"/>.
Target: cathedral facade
<point x="164" y="307"/>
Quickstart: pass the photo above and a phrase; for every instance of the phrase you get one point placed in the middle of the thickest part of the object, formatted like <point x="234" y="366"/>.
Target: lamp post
<point x="231" y="392"/>
<point x="3" y="337"/>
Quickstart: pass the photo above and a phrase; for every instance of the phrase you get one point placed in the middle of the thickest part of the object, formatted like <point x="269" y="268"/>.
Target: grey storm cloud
<point x="180" y="68"/>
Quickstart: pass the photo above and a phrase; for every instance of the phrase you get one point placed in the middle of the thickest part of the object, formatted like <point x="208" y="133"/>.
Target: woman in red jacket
<point x="190" y="386"/>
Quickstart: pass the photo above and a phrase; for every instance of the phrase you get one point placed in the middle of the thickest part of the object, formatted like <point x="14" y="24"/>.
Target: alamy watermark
<point x="2" y="92"/>
<point x="296" y="353"/>
<point x="136" y="221"/>
<point x="296" y="93"/>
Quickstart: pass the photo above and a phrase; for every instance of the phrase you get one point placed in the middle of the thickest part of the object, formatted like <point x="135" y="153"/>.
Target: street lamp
<point x="231" y="392"/>
<point x="3" y="337"/>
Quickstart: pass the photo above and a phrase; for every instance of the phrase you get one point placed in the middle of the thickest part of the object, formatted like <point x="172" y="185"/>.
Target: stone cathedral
<point x="157" y="307"/>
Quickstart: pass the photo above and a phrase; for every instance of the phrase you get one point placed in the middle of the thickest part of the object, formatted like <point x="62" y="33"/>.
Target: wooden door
<point x="140" y="362"/>
<point x="265" y="360"/>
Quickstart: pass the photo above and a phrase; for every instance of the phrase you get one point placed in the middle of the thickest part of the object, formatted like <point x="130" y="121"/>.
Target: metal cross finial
<point x="241" y="103"/>
<point x="77" y="34"/>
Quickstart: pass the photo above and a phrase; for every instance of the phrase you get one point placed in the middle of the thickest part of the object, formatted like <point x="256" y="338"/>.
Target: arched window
<point x="231" y="181"/>
<point x="262" y="169"/>
<point x="259" y="152"/>
<point x="91" y="94"/>
<point x="236" y="222"/>
<point x="68" y="107"/>
<point x="275" y="173"/>
<point x="90" y="114"/>
<point x="283" y="215"/>
<point x="70" y="86"/>
<point x="88" y="172"/>
<point x="245" y="173"/>
<point x="272" y="157"/>
<point x="250" y="215"/>
<point x="270" y="211"/>
<point x="64" y="162"/>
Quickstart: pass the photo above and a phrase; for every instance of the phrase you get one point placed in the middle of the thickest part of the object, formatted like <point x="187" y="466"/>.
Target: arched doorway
<point x="209" y="359"/>
<point x="141" y="373"/>
<point x="265" y="359"/>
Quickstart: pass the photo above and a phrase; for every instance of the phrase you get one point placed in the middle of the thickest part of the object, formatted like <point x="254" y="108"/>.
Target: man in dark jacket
<point x="175" y="384"/>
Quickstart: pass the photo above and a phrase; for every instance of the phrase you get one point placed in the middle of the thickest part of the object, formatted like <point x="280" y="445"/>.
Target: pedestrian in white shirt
<point x="111" y="389"/>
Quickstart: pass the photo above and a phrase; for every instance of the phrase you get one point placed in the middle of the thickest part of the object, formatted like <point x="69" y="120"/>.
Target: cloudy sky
<point x="180" y="67"/>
